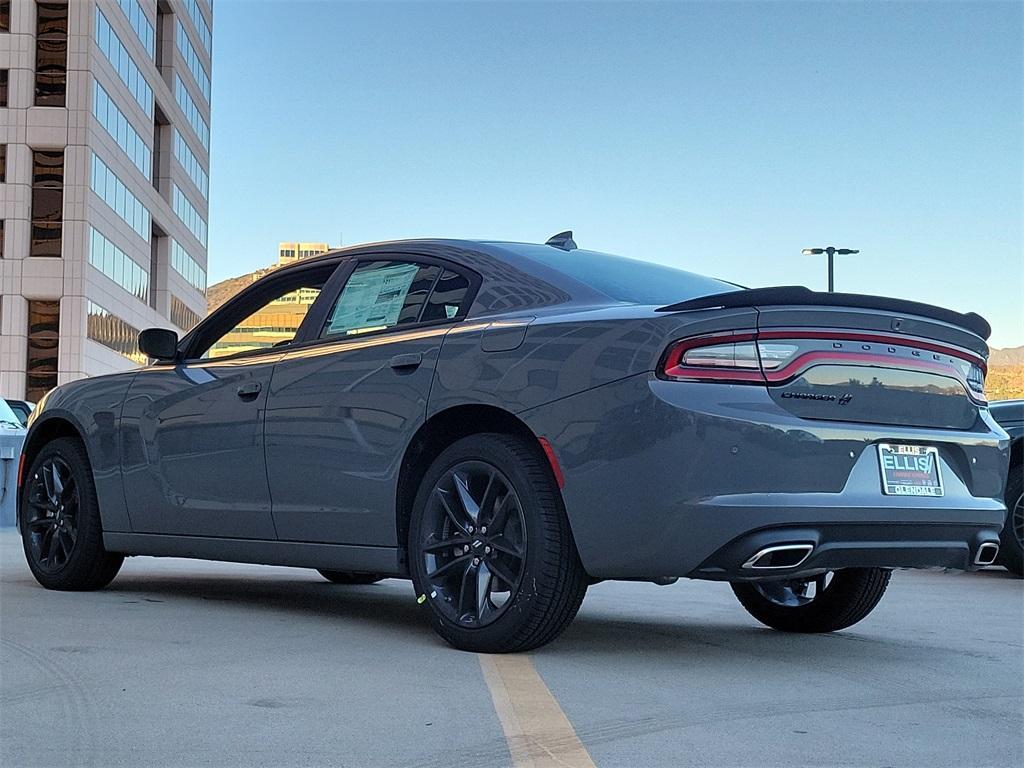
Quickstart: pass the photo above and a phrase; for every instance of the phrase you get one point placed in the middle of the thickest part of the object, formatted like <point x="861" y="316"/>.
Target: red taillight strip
<point x="879" y="338"/>
<point x="674" y="368"/>
<point x="806" y="360"/>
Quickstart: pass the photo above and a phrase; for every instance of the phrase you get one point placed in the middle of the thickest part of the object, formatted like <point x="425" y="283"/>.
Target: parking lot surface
<point x="188" y="663"/>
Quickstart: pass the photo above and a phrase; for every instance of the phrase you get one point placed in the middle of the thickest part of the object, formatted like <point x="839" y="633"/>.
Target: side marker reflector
<point x="553" y="461"/>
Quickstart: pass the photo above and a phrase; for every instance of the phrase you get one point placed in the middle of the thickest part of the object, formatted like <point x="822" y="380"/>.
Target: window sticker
<point x="372" y="299"/>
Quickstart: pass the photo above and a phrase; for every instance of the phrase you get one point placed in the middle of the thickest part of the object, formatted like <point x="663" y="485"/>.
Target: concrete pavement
<point x="188" y="663"/>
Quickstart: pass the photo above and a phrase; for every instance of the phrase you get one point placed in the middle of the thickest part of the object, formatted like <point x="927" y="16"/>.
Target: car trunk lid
<point x="867" y="359"/>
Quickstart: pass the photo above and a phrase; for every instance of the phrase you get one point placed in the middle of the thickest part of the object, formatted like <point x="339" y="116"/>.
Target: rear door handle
<point x="411" y="360"/>
<point x="249" y="391"/>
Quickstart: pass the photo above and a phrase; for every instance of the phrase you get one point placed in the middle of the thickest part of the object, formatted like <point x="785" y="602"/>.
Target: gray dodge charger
<point x="506" y="423"/>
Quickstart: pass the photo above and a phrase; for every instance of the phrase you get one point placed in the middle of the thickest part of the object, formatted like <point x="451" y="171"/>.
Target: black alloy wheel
<point x="60" y="522"/>
<point x="53" y="502"/>
<point x="825" y="602"/>
<point x="796" y="592"/>
<point x="473" y="543"/>
<point x="487" y="521"/>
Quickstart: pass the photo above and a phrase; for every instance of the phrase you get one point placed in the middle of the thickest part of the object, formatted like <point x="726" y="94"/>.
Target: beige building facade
<point x="104" y="139"/>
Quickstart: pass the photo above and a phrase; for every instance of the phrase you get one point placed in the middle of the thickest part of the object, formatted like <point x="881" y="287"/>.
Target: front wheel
<point x="490" y="550"/>
<point x="827" y="602"/>
<point x="60" y="521"/>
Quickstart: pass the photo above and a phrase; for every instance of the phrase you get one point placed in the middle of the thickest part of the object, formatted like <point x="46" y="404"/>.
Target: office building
<point x="104" y="182"/>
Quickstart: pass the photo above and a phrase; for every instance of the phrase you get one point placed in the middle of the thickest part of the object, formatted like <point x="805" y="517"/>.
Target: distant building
<point x="104" y="158"/>
<point x="291" y="252"/>
<point x="279" y="320"/>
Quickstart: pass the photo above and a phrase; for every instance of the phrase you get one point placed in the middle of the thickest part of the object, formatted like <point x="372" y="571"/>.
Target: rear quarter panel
<point x="517" y="362"/>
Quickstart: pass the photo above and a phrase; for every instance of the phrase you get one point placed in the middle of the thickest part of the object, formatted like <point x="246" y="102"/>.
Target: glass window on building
<point x="182" y="316"/>
<point x="51" y="54"/>
<point x="43" y="341"/>
<point x="3" y="87"/>
<point x="106" y="328"/>
<point x="3" y="163"/>
<point x="5" y="15"/>
<point x="47" y="202"/>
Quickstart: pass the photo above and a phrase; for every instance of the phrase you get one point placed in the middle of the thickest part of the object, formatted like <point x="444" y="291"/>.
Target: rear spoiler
<point x="799" y="295"/>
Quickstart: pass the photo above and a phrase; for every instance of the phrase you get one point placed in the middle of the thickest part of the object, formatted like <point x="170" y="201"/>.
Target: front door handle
<point x="405" y="362"/>
<point x="249" y="391"/>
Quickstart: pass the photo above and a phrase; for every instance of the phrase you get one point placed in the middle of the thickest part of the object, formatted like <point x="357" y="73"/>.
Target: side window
<point x="380" y="295"/>
<point x="269" y="318"/>
<point x="272" y="325"/>
<point x="447" y="298"/>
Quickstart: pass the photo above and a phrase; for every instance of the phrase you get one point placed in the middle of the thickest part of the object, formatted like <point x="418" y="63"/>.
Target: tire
<point x="77" y="561"/>
<point x="1011" y="550"/>
<point x="530" y="543"/>
<point x="348" y="577"/>
<point x="851" y="595"/>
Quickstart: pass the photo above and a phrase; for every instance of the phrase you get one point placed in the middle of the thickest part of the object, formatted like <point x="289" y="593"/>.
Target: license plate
<point x="909" y="470"/>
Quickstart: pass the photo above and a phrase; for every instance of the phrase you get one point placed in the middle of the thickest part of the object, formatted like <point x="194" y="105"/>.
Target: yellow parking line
<point x="538" y="733"/>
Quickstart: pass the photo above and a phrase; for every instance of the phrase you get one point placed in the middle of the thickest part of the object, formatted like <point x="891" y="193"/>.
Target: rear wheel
<point x="490" y="550"/>
<point x="348" y="577"/>
<point x="1011" y="545"/>
<point x="60" y="521"/>
<point x="825" y="603"/>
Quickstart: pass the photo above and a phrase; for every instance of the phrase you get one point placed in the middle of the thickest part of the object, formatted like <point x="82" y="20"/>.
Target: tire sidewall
<point x="1011" y="552"/>
<point x="515" y="617"/>
<point x="837" y="608"/>
<point x="87" y="519"/>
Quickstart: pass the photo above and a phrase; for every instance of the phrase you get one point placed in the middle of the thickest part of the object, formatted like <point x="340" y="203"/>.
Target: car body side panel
<point x="93" y="407"/>
<point x="192" y="449"/>
<point x="659" y="475"/>
<point x="562" y="353"/>
<point x="339" y="419"/>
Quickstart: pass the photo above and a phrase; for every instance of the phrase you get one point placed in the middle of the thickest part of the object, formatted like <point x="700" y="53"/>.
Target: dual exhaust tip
<point x="987" y="553"/>
<point x="779" y="556"/>
<point x="784" y="556"/>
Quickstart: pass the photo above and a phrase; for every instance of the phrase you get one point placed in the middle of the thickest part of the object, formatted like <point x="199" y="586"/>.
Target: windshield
<point x="627" y="280"/>
<point x="7" y="418"/>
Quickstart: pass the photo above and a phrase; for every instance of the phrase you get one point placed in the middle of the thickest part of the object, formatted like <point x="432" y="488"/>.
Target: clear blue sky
<point x="720" y="137"/>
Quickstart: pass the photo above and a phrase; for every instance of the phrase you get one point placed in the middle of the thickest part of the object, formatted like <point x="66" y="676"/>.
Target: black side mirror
<point x="159" y="343"/>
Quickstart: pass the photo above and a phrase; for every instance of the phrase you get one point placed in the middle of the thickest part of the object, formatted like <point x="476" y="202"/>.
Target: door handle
<point x="411" y="360"/>
<point x="249" y="391"/>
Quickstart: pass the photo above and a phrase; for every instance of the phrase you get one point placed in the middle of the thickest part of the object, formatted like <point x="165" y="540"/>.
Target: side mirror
<point x="159" y="343"/>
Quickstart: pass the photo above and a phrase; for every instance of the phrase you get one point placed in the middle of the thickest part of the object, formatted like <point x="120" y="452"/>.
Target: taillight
<point x="726" y="357"/>
<point x="776" y="357"/>
<point x="976" y="381"/>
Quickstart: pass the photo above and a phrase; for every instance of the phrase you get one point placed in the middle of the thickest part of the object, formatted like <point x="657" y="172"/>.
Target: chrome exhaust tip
<point x="779" y="557"/>
<point x="987" y="553"/>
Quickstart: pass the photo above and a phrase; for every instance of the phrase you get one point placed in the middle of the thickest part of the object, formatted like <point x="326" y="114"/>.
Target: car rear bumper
<point x="676" y="479"/>
<point x="788" y="552"/>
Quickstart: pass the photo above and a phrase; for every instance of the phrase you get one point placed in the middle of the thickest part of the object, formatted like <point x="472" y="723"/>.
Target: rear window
<point x="628" y="280"/>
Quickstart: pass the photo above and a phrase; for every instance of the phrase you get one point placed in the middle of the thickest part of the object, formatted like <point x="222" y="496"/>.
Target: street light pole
<point x="831" y="251"/>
